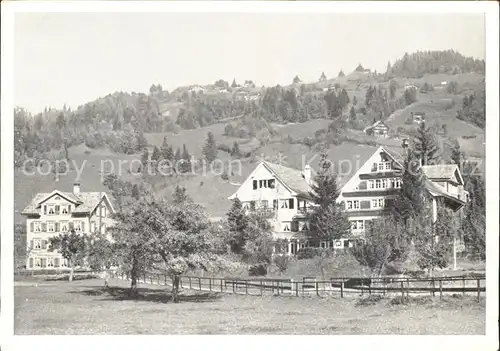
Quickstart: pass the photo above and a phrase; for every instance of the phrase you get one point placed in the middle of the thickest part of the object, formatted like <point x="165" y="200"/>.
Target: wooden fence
<point x="342" y="287"/>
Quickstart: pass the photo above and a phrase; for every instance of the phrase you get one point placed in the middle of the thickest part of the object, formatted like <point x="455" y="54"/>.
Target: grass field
<point x="83" y="307"/>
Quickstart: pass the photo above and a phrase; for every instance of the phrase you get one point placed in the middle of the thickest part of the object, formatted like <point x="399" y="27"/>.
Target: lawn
<point x="83" y="307"/>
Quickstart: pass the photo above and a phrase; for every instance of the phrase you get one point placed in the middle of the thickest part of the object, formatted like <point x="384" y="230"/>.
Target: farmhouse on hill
<point x="378" y="129"/>
<point x="368" y="182"/>
<point x="50" y="214"/>
<point x="418" y="117"/>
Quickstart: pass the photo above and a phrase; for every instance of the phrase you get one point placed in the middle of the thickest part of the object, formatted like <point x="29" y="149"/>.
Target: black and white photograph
<point x="281" y="168"/>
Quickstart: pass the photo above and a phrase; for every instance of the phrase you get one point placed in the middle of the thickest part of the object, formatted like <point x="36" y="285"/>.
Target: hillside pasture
<point x="60" y="307"/>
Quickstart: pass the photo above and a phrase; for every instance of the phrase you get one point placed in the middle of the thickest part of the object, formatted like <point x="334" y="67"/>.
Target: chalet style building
<point x="50" y="214"/>
<point x="378" y="129"/>
<point x="369" y="181"/>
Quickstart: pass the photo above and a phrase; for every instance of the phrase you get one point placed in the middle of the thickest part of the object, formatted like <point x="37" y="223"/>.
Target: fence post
<point x="342" y="288"/>
<point x="478" y="290"/>
<point x="158" y="278"/>
<point x="408" y="287"/>
<point x="317" y="287"/>
<point x="199" y="283"/>
<point x="440" y="289"/>
<point x="433" y="287"/>
<point x="209" y="284"/>
<point x="278" y="287"/>
<point x="370" y="289"/>
<point x="261" y="287"/>
<point x="246" y="286"/>
<point x="297" y="288"/>
<point x="190" y="286"/>
<point x="291" y="286"/>
<point x="180" y="282"/>
<point x="463" y="286"/>
<point x="402" y="289"/>
<point x="233" y="287"/>
<point x="221" y="285"/>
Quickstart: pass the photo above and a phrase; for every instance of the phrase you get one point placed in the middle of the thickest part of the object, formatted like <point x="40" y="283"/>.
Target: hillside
<point x="282" y="122"/>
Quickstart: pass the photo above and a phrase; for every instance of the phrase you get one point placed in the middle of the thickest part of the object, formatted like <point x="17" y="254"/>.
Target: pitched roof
<point x="374" y="125"/>
<point x="438" y="190"/>
<point x="85" y="201"/>
<point x="440" y="171"/>
<point x="293" y="178"/>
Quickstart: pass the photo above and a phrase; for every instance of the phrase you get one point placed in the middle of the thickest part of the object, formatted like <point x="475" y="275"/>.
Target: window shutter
<point x="44" y="244"/>
<point x="343" y="205"/>
<point x="57" y="209"/>
<point x="71" y="226"/>
<point x="254" y="184"/>
<point x="43" y="262"/>
<point x="290" y="203"/>
<point x="56" y="262"/>
<point x="364" y="204"/>
<point x="374" y="167"/>
<point x="58" y="227"/>
<point x="44" y="209"/>
<point x="31" y="262"/>
<point x="362" y="185"/>
<point x="44" y="227"/>
<point x="83" y="226"/>
<point x="32" y="227"/>
<point x="31" y="244"/>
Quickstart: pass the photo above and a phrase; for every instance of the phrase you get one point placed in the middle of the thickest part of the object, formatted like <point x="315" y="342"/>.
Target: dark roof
<point x="84" y="201"/>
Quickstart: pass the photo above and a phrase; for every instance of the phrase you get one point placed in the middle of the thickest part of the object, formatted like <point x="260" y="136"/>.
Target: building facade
<point x="366" y="194"/>
<point x="378" y="129"/>
<point x="51" y="214"/>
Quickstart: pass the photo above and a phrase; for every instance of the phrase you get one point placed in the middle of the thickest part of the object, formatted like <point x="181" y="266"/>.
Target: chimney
<point x="76" y="188"/>
<point x="307" y="174"/>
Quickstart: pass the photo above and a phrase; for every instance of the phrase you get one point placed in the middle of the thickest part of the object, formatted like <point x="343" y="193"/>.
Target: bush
<point x="308" y="253"/>
<point x="224" y="147"/>
<point x="281" y="262"/>
<point x="369" y="301"/>
<point x="257" y="270"/>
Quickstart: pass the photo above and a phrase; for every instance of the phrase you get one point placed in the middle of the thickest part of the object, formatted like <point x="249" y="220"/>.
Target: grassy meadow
<point x="84" y="307"/>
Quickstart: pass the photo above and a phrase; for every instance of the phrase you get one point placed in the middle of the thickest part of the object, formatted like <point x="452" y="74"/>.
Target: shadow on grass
<point x="114" y="293"/>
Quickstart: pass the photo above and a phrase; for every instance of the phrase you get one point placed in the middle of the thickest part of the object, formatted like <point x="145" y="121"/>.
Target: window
<point x="284" y="203"/>
<point x="275" y="204"/>
<point x="78" y="226"/>
<point x="349" y="205"/>
<point x="361" y="225"/>
<point x="50" y="227"/>
<point x="264" y="203"/>
<point x="355" y="204"/>
<point x="43" y="262"/>
<point x="378" y="184"/>
<point x="51" y="210"/>
<point x="377" y="203"/>
<point x="290" y="203"/>
<point x="323" y="245"/>
<point x="398" y="183"/>
<point x="387" y="165"/>
<point x="36" y="226"/>
<point x="392" y="183"/>
<point x="271" y="183"/>
<point x="38" y="264"/>
<point x="357" y="225"/>
<point x="103" y="211"/>
<point x="354" y="225"/>
<point x="50" y="262"/>
<point x="64" y="210"/>
<point x="286" y="227"/>
<point x="384" y="183"/>
<point x="57" y="262"/>
<point x="371" y="184"/>
<point x="381" y="166"/>
<point x="37" y="244"/>
<point x="252" y="205"/>
<point x="64" y="227"/>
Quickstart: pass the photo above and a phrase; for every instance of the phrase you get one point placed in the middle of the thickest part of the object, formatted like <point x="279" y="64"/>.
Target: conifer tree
<point x="235" y="151"/>
<point x="238" y="222"/>
<point x="426" y="146"/>
<point x="210" y="148"/>
<point x="456" y="154"/>
<point x="180" y="196"/>
<point x="186" y="166"/>
<point x="327" y="221"/>
<point x="145" y="159"/>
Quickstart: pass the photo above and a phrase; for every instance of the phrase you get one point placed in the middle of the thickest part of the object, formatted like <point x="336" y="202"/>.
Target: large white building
<point x="50" y="214"/>
<point x="369" y="180"/>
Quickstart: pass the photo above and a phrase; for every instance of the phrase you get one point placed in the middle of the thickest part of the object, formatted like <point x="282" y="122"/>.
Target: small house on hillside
<point x="378" y="129"/>
<point x="418" y="117"/>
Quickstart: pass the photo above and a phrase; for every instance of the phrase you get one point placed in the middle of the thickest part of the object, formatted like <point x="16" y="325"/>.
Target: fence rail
<point x="342" y="287"/>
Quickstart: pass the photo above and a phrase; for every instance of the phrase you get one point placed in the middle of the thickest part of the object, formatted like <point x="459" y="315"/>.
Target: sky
<point x="73" y="58"/>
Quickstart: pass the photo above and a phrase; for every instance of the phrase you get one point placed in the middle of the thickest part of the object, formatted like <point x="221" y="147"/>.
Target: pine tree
<point x="341" y="74"/>
<point x="135" y="192"/>
<point x="178" y="155"/>
<point x="473" y="226"/>
<point x="354" y="100"/>
<point x="156" y="156"/>
<point x="145" y="159"/>
<point x="296" y="80"/>
<point x="180" y="196"/>
<point x="234" y="85"/>
<point x="235" y="151"/>
<point x="210" y="148"/>
<point x="327" y="221"/>
<point x="426" y="146"/>
<point x="410" y="201"/>
<point x="186" y="166"/>
<point x="238" y="222"/>
<point x="322" y="77"/>
<point x="457" y="155"/>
